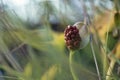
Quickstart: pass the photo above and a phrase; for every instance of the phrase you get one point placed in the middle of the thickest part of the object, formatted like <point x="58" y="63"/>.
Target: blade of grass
<point x="94" y="56"/>
<point x="105" y="58"/>
<point x="9" y="57"/>
<point x="9" y="77"/>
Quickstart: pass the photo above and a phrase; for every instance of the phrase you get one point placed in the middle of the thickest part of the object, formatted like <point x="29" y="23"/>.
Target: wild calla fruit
<point x="72" y="37"/>
<point x="77" y="36"/>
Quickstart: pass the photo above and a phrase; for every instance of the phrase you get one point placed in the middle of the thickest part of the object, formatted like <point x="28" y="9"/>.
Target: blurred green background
<point x="32" y="43"/>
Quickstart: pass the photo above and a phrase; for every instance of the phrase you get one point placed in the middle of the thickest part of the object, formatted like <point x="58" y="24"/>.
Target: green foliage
<point x="41" y="54"/>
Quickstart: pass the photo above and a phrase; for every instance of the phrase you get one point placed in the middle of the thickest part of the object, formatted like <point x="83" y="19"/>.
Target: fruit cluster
<point x="72" y="37"/>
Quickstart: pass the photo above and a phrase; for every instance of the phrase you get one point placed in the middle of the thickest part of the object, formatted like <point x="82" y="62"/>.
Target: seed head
<point x="72" y="37"/>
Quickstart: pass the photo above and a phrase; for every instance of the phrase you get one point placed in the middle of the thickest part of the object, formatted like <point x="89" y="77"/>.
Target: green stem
<point x="71" y="63"/>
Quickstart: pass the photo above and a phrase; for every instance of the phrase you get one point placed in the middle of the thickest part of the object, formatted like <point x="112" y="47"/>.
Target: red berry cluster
<point x="72" y="37"/>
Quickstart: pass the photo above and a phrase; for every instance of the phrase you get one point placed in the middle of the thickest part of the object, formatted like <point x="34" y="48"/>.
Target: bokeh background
<point x="32" y="43"/>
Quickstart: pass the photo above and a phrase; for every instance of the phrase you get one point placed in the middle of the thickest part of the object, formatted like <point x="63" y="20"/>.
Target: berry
<point x="72" y="37"/>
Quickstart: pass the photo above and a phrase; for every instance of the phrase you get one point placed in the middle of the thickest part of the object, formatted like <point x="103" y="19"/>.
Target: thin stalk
<point x="9" y="57"/>
<point x="9" y="77"/>
<point x="113" y="61"/>
<point x="116" y="5"/>
<point x="96" y="64"/>
<point x="71" y="65"/>
<point x="105" y="61"/>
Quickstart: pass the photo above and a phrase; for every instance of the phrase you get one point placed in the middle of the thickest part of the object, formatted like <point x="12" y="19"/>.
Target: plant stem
<point x="96" y="64"/>
<point x="71" y="62"/>
<point x="112" y="63"/>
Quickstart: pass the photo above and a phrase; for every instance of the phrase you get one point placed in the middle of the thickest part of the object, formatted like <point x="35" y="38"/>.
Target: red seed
<point x="72" y="36"/>
<point x="76" y="43"/>
<point x="70" y="32"/>
<point x="67" y="35"/>
<point x="69" y="42"/>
